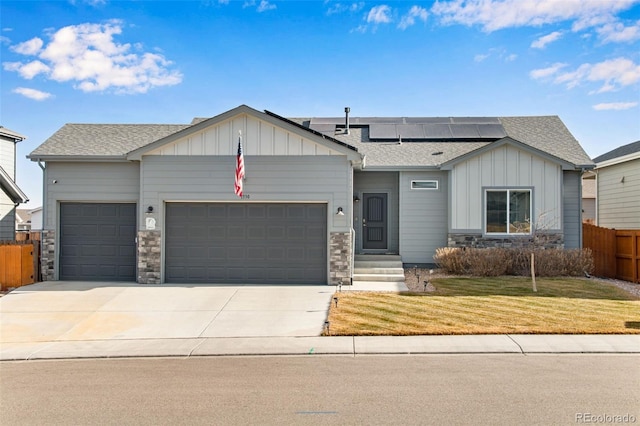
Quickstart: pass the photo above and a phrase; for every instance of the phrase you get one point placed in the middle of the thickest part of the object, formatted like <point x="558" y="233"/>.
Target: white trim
<point x="508" y="190"/>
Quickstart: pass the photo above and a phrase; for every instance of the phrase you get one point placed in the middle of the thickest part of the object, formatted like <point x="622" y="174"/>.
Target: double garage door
<point x="253" y="243"/>
<point x="236" y="243"/>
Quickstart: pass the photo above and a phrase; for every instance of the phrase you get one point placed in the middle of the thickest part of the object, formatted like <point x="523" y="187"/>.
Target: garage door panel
<point x="248" y="243"/>
<point x="97" y="241"/>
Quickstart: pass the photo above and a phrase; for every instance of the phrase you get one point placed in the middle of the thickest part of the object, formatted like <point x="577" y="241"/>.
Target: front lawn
<point x="489" y="306"/>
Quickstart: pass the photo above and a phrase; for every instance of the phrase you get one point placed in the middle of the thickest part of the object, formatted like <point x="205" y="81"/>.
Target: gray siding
<point x="571" y="205"/>
<point x="423" y="217"/>
<point x="89" y="182"/>
<point x="619" y="202"/>
<point x="324" y="179"/>
<point x="386" y="182"/>
<point x="7" y="218"/>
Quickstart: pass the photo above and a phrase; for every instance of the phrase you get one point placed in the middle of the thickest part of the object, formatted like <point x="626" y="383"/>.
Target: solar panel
<point x="491" y="131"/>
<point x="410" y="131"/>
<point x="383" y="131"/>
<point x="465" y="131"/>
<point x="323" y="128"/>
<point x="437" y="131"/>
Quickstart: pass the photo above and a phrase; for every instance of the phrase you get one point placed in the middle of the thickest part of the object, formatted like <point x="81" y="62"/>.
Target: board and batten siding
<point x="505" y="167"/>
<point x="8" y="156"/>
<point x="378" y="182"/>
<point x="89" y="182"/>
<point x="423" y="217"/>
<point x="325" y="179"/>
<point x="258" y="138"/>
<point x="572" y="210"/>
<point x="619" y="202"/>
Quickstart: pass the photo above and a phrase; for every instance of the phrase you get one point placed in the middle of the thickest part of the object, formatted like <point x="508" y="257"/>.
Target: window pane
<point x="497" y="211"/>
<point x="519" y="212"/>
<point x="424" y="184"/>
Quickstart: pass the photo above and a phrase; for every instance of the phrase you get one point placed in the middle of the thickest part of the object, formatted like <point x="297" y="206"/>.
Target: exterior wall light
<point x="340" y="212"/>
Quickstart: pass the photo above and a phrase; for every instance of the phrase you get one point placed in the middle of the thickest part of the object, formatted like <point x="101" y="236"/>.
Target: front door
<point x="374" y="221"/>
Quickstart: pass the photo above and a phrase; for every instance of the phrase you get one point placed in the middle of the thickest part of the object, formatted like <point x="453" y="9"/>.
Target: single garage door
<point x="246" y="243"/>
<point x="97" y="242"/>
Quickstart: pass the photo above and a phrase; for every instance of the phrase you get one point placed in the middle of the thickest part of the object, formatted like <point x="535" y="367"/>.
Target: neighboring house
<point x="589" y="197"/>
<point x="156" y="203"/>
<point x="36" y="219"/>
<point x="23" y="220"/>
<point x="618" y="187"/>
<point x="10" y="194"/>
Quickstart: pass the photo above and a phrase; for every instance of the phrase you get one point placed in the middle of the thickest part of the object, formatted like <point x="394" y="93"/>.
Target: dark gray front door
<point x="97" y="242"/>
<point x="374" y="221"/>
<point x="246" y="243"/>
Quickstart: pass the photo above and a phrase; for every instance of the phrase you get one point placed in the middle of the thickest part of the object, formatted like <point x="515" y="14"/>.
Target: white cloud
<point x="541" y="42"/>
<point x="617" y="32"/>
<point x="547" y="72"/>
<point x="265" y="5"/>
<point x="494" y="15"/>
<point x="616" y="106"/>
<point x="613" y="74"/>
<point x="88" y="55"/>
<point x="481" y="57"/>
<point x="379" y="14"/>
<point x="5" y="40"/>
<point x="416" y="12"/>
<point x="34" y="94"/>
<point x="496" y="52"/>
<point x="30" y="47"/>
<point x="336" y="8"/>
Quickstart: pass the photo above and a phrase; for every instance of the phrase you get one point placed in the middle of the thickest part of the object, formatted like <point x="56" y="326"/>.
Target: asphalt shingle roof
<point x="619" y="152"/>
<point x="103" y="139"/>
<point x="545" y="133"/>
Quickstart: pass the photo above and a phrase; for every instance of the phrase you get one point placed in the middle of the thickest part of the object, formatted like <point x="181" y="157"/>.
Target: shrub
<point x="451" y="260"/>
<point x="491" y="262"/>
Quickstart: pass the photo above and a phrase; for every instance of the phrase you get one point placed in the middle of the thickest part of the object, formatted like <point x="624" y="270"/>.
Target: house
<point x="10" y="194"/>
<point x="618" y="187"/>
<point x="589" y="197"/>
<point x="36" y="219"/>
<point x="156" y="203"/>
<point x="23" y="220"/>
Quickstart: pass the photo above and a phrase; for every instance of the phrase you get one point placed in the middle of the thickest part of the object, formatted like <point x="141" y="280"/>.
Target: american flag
<point x="239" y="169"/>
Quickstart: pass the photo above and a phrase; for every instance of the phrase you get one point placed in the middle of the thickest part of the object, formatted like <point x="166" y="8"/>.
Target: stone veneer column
<point x="149" y="257"/>
<point x="548" y="240"/>
<point x="340" y="253"/>
<point x="48" y="255"/>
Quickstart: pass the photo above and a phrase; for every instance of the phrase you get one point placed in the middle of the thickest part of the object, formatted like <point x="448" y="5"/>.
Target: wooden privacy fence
<point x="616" y="252"/>
<point x="19" y="263"/>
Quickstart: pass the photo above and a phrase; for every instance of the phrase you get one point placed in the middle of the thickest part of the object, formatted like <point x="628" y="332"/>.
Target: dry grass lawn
<point x="490" y="306"/>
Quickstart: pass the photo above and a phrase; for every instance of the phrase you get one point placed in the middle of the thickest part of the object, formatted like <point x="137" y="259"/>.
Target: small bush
<point x="488" y="262"/>
<point x="451" y="260"/>
<point x="491" y="262"/>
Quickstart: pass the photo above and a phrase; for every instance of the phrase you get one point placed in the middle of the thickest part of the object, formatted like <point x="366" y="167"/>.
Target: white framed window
<point x="507" y="211"/>
<point x="425" y="184"/>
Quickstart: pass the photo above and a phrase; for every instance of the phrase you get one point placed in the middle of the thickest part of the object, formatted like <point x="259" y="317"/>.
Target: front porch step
<point x="380" y="269"/>
<point x="378" y="277"/>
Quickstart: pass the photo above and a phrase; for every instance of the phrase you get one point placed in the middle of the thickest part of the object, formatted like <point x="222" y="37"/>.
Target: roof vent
<point x="347" y="110"/>
<point x="437" y="153"/>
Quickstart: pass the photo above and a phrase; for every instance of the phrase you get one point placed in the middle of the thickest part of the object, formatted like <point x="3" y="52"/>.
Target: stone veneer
<point x="48" y="255"/>
<point x="340" y="253"/>
<point x="547" y="240"/>
<point x="149" y="257"/>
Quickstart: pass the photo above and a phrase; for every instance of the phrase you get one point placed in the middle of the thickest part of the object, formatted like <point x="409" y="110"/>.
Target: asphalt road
<point x="367" y="390"/>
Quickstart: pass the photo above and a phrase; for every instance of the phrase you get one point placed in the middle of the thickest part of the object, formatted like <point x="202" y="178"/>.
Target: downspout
<point x="44" y="213"/>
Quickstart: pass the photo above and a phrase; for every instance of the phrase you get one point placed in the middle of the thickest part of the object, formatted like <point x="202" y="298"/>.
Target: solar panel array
<point x="419" y="128"/>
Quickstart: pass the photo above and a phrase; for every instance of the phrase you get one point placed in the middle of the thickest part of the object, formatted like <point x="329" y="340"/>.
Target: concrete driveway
<point x="81" y="311"/>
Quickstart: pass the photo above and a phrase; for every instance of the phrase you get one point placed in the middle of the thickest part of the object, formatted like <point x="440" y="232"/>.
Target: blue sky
<point x="104" y="61"/>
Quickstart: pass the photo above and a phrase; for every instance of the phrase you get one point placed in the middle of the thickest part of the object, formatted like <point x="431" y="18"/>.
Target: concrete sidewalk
<point x="97" y="320"/>
<point x="341" y="345"/>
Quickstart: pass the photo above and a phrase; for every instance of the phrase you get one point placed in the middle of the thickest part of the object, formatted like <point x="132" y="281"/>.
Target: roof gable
<point x="262" y="134"/>
<point x="509" y="142"/>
